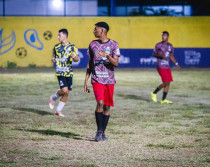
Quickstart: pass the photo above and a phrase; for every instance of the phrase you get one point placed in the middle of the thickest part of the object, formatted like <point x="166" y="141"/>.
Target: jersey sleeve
<point x="53" y="52"/>
<point x="116" y="50"/>
<point x="172" y="49"/>
<point x="89" y="51"/>
<point x="74" y="50"/>
<point x="155" y="51"/>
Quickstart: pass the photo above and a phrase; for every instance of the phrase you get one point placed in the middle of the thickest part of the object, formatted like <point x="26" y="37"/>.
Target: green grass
<point x="140" y="132"/>
<point x="166" y="146"/>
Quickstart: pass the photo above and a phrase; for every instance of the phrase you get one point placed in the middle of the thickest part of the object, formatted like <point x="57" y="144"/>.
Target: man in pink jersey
<point x="103" y="58"/>
<point x="164" y="52"/>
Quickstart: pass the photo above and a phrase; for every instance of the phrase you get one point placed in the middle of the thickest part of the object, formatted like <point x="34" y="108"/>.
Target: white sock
<point x="55" y="96"/>
<point x="60" y="106"/>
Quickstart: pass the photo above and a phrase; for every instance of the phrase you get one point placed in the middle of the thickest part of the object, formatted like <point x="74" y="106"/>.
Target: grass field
<point x="140" y="132"/>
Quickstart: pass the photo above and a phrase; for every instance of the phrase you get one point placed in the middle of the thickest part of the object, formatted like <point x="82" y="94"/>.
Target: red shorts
<point x="104" y="92"/>
<point x="166" y="75"/>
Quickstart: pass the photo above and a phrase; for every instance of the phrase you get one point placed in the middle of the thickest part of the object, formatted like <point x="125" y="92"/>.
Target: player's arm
<point x="74" y="55"/>
<point x="155" y="53"/>
<point x="53" y="56"/>
<point x="174" y="61"/>
<point x="88" y="72"/>
<point x="173" y="58"/>
<point x="114" y="60"/>
<point x="158" y="56"/>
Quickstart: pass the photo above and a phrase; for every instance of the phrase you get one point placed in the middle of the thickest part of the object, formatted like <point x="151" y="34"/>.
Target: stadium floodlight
<point x="57" y="3"/>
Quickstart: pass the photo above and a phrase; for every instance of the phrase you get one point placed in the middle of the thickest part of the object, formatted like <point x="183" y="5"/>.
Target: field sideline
<point x="140" y="132"/>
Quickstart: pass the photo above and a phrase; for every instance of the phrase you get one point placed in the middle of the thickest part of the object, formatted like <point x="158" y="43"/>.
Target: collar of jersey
<point x="164" y="43"/>
<point x="66" y="44"/>
<point x="103" y="42"/>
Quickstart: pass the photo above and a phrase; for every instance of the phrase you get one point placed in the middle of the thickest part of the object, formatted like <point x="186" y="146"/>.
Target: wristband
<point x="176" y="64"/>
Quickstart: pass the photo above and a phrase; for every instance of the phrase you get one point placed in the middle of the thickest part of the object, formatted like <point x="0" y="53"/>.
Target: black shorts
<point x="65" y="82"/>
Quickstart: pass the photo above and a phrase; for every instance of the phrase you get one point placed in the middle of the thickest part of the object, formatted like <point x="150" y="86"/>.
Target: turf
<point x="140" y="132"/>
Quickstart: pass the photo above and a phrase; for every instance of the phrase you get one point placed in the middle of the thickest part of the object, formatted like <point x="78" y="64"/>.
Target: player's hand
<point x="102" y="54"/>
<point x="162" y="56"/>
<point x="73" y="55"/>
<point x="178" y="67"/>
<point x="86" y="88"/>
<point x="53" y="59"/>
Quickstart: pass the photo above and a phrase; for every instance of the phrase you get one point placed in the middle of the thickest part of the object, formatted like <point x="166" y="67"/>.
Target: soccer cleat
<point x="98" y="136"/>
<point x="166" y="102"/>
<point x="51" y="103"/>
<point x="104" y="137"/>
<point x="154" y="97"/>
<point x="59" y="114"/>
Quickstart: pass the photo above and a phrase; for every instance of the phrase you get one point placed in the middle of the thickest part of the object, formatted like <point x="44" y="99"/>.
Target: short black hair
<point x="65" y="31"/>
<point x="165" y="32"/>
<point x="103" y="25"/>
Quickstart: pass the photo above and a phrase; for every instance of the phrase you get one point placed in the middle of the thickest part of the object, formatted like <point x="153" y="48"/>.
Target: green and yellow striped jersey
<point x="63" y="55"/>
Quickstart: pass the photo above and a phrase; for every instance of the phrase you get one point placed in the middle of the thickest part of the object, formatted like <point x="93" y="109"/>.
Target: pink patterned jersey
<point x="102" y="69"/>
<point x="164" y="49"/>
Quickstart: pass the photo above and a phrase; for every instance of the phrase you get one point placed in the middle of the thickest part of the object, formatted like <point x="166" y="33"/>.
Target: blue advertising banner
<point x="143" y="58"/>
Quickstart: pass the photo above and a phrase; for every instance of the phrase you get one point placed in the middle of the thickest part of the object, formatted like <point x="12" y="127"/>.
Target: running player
<point x="164" y="52"/>
<point x="63" y="54"/>
<point x="103" y="57"/>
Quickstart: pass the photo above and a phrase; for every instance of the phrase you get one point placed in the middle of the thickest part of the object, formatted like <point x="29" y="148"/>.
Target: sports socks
<point x="164" y="95"/>
<point x="60" y="106"/>
<point x="105" y="122"/>
<point x="156" y="90"/>
<point x="55" y="96"/>
<point x="99" y="120"/>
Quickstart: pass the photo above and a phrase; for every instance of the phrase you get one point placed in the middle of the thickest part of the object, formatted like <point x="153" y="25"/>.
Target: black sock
<point x="164" y="95"/>
<point x="105" y="122"/>
<point x="156" y="90"/>
<point x="99" y="120"/>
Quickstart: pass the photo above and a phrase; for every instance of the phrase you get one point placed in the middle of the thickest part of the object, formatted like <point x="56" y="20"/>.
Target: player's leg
<point x="166" y="87"/>
<point x="168" y="79"/>
<point x="162" y="85"/>
<point x="99" y="119"/>
<point x="106" y="115"/>
<point x="66" y="86"/>
<point x="99" y="114"/>
<point x="58" y="94"/>
<point x="53" y="98"/>
<point x="64" y="96"/>
<point x="165" y="92"/>
<point x="98" y="90"/>
<point x="154" y="93"/>
<point x="64" y="93"/>
<point x="108" y="101"/>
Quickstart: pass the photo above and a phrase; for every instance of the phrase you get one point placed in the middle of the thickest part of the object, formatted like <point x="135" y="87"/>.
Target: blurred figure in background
<point x="164" y="52"/>
<point x="63" y="54"/>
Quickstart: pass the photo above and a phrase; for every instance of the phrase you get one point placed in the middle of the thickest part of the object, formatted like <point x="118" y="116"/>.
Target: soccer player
<point x="63" y="54"/>
<point x="164" y="52"/>
<point x="103" y="57"/>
